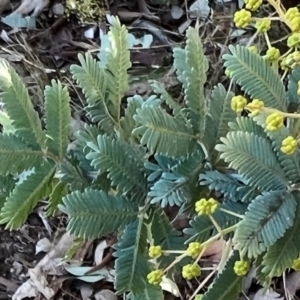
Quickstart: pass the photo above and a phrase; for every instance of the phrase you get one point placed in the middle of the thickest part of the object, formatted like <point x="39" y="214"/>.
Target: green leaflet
<point x="118" y="63"/>
<point x="15" y="156"/>
<point x="254" y="74"/>
<point x="111" y="156"/>
<point x="289" y="163"/>
<point x="164" y="134"/>
<point x="93" y="81"/>
<point x="127" y="122"/>
<point x="26" y="195"/>
<point x="151" y="292"/>
<point x="227" y="285"/>
<point x="293" y="97"/>
<point x="132" y="264"/>
<point x="248" y="125"/>
<point x="94" y="213"/>
<point x="220" y="114"/>
<point x="267" y="219"/>
<point x="165" y="97"/>
<point x="250" y="155"/>
<point x="58" y="118"/>
<point x="281" y="255"/>
<point x="191" y="66"/>
<point x="19" y="107"/>
<point x="59" y="191"/>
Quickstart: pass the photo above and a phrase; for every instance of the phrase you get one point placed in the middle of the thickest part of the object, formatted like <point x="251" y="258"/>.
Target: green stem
<point x="231" y="213"/>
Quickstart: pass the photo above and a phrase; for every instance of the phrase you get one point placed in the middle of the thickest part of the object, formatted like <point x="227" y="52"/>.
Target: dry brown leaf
<point x="215" y="250"/>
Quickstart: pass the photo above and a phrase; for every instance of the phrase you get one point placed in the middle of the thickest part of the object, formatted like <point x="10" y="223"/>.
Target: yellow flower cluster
<point x="289" y="145"/>
<point x="274" y="122"/>
<point x="206" y="207"/>
<point x="194" y="249"/>
<point x="296" y="264"/>
<point x="191" y="271"/>
<point x="253" y="4"/>
<point x="155" y="277"/>
<point x="242" y="18"/>
<point x="241" y="267"/>
<point x="272" y="54"/>
<point x="255" y="107"/>
<point x="263" y="26"/>
<point x="155" y="251"/>
<point x="253" y="49"/>
<point x="293" y="17"/>
<point x="294" y="40"/>
<point x="238" y="103"/>
<point x="291" y="61"/>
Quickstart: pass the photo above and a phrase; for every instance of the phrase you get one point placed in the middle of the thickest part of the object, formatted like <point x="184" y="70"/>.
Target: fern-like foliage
<point x="19" y="107"/>
<point x="58" y="118"/>
<point x="132" y="265"/>
<point x="118" y="63"/>
<point x="255" y="76"/>
<point x="250" y="155"/>
<point x="289" y="163"/>
<point x="267" y="219"/>
<point x="164" y="134"/>
<point x="149" y="293"/>
<point x="94" y="213"/>
<point x="16" y="156"/>
<point x="93" y="81"/>
<point x="220" y="114"/>
<point x="293" y="97"/>
<point x="229" y="185"/>
<point x="281" y="254"/>
<point x="59" y="191"/>
<point x="227" y="285"/>
<point x="191" y="66"/>
<point x="26" y="195"/>
<point x="108" y="155"/>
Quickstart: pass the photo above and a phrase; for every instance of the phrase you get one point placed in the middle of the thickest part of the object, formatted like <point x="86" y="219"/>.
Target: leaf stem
<point x="231" y="213"/>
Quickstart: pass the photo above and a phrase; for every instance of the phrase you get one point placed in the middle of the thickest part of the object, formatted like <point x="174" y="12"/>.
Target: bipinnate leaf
<point x="293" y="97"/>
<point x="58" y="118"/>
<point x="16" y="156"/>
<point x="250" y="155"/>
<point x="227" y="285"/>
<point x="94" y="213"/>
<point x="191" y="69"/>
<point x="220" y="114"/>
<point x="256" y="77"/>
<point x="164" y="134"/>
<point x="110" y="155"/>
<point x="289" y="163"/>
<point x="92" y="78"/>
<point x="59" y="191"/>
<point x="267" y="219"/>
<point x="19" y="107"/>
<point x="281" y="255"/>
<point x="26" y="195"/>
<point x="118" y="63"/>
<point x="132" y="266"/>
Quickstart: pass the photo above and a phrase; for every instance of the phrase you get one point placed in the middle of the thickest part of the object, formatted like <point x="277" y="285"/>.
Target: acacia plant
<point x="135" y="157"/>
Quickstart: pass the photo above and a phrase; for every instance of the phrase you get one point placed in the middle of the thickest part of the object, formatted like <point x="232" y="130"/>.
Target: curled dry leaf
<point x="34" y="6"/>
<point x="269" y="294"/>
